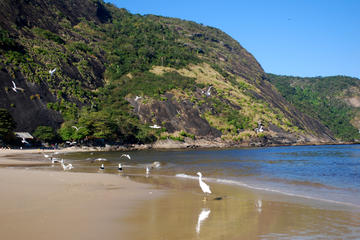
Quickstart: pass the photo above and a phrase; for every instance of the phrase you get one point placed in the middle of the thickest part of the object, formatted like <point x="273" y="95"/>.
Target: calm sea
<point x="323" y="173"/>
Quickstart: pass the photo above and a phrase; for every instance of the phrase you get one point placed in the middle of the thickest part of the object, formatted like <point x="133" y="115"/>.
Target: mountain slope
<point x="118" y="73"/>
<point x="335" y="101"/>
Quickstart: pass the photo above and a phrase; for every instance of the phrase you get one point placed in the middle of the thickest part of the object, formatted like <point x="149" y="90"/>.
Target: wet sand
<point x="235" y="213"/>
<point x="65" y="205"/>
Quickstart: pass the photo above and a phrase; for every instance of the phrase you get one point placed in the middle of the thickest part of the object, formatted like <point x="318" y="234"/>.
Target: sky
<point x="304" y="38"/>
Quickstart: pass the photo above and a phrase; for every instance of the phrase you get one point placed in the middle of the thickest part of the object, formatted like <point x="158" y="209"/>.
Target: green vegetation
<point x="45" y="134"/>
<point x="323" y="99"/>
<point x="7" y="124"/>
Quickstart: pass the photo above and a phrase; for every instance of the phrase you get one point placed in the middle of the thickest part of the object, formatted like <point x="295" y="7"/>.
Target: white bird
<point x="101" y="159"/>
<point x="208" y="92"/>
<point x="147" y="170"/>
<point x="102" y="167"/>
<point x="155" y="164"/>
<point x="15" y="87"/>
<point x="52" y="72"/>
<point x="125" y="155"/>
<point x="258" y="205"/>
<point x="204" y="187"/>
<point x="55" y="160"/>
<point x="202" y="216"/>
<point x="137" y="98"/>
<point x="77" y="128"/>
<point x="66" y="167"/>
<point x="24" y="141"/>
<point x="155" y="126"/>
<point x="47" y="155"/>
<point x="120" y="167"/>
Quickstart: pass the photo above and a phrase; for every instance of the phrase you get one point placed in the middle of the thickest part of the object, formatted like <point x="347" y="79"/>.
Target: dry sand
<point x="63" y="205"/>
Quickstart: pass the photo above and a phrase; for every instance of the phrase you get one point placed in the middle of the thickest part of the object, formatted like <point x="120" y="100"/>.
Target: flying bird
<point x="76" y="128"/>
<point x="15" y="88"/>
<point x="24" y="141"/>
<point x="52" y="72"/>
<point x="125" y="155"/>
<point x="155" y="126"/>
<point x="208" y="92"/>
<point x="204" y="187"/>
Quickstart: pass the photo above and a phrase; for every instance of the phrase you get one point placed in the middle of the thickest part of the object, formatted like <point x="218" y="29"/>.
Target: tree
<point x="45" y="133"/>
<point x="7" y="124"/>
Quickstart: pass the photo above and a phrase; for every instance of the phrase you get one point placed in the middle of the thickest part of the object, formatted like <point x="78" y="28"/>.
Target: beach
<point x="52" y="204"/>
<point x="64" y="205"/>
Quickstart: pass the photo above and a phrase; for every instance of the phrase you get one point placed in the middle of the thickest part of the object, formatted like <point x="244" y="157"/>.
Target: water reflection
<point x="204" y="214"/>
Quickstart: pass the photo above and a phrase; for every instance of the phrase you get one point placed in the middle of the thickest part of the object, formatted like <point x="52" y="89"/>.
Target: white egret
<point x="77" y="128"/>
<point x="24" y="141"/>
<point x="125" y="155"/>
<point x="52" y="72"/>
<point x="258" y="205"/>
<point x="55" y="160"/>
<point x="66" y="167"/>
<point x="137" y="98"/>
<point x="101" y="159"/>
<point x="120" y="167"/>
<point x="155" y="126"/>
<point x="147" y="171"/>
<point x="202" y="216"/>
<point x="155" y="164"/>
<point x="15" y="88"/>
<point x="102" y="167"/>
<point x="204" y="187"/>
<point x="208" y="92"/>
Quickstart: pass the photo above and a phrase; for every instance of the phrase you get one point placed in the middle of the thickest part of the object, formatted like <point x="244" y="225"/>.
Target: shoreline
<point x="168" y="145"/>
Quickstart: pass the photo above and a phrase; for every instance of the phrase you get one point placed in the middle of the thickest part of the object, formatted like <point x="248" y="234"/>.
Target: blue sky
<point x="288" y="37"/>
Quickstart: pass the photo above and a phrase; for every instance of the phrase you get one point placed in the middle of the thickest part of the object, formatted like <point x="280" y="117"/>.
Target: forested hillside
<point x="334" y="101"/>
<point x="89" y="70"/>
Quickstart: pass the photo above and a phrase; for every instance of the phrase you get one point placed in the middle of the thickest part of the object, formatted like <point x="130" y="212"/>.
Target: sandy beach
<point x="43" y="204"/>
<point x="64" y="205"/>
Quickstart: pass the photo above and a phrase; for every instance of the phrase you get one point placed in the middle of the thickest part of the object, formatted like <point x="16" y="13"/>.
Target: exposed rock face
<point x="174" y="116"/>
<point x="28" y="105"/>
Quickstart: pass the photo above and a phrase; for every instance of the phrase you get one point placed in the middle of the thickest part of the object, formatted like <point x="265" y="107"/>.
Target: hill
<point x="117" y="74"/>
<point x="334" y="101"/>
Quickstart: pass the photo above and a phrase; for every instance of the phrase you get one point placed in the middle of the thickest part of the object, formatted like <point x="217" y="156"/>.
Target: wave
<point x="267" y="189"/>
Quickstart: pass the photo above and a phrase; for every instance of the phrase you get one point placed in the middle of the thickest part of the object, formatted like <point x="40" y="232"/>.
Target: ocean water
<point x="329" y="173"/>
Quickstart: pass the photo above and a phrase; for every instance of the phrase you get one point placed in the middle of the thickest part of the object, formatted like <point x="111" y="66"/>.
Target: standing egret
<point x="204" y="187"/>
<point x="147" y="171"/>
<point x="66" y="167"/>
<point x="259" y="205"/>
<point x="120" y="167"/>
